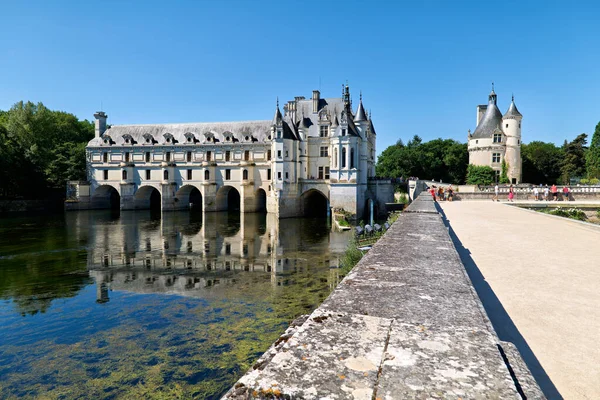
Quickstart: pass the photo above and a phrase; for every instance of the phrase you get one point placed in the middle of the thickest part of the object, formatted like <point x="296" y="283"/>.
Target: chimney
<point x="100" y="123"/>
<point x="315" y="100"/>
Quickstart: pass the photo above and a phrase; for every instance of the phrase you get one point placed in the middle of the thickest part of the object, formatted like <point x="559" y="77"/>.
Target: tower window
<point x="287" y="154"/>
<point x="343" y="131"/>
<point x="168" y="156"/>
<point x="324" y="152"/>
<point x="497" y="138"/>
<point x="320" y="172"/>
<point x="208" y="156"/>
<point x="206" y="175"/>
<point x="269" y="174"/>
<point x="246" y="155"/>
<point x="279" y="175"/>
<point x="189" y="174"/>
<point x="287" y="175"/>
<point x="278" y="153"/>
<point x="189" y="156"/>
<point x="495" y="157"/>
<point x="127" y="157"/>
<point x="268" y="155"/>
<point x="326" y="172"/>
<point x="105" y="174"/>
<point x="227" y="174"/>
<point x="147" y="156"/>
<point x="343" y="157"/>
<point x="124" y="175"/>
<point x="323" y="131"/>
<point x="166" y="175"/>
<point x="227" y="155"/>
<point x="147" y="174"/>
<point x="245" y="175"/>
<point x="104" y="157"/>
<point x="507" y="125"/>
<point x="351" y="158"/>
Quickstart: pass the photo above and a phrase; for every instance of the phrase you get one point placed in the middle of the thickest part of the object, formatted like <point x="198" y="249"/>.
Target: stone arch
<point x="261" y="200"/>
<point x="314" y="203"/>
<point x="106" y="196"/>
<point x="148" y="198"/>
<point x="228" y="199"/>
<point x="189" y="196"/>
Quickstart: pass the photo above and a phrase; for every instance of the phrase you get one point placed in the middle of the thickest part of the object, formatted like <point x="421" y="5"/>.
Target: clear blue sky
<point x="422" y="66"/>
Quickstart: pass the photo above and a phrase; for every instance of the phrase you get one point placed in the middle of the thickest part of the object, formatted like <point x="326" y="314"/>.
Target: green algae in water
<point x="74" y="327"/>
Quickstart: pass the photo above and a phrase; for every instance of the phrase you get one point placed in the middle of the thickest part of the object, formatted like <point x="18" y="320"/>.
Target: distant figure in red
<point x="511" y="193"/>
<point x="566" y="193"/>
<point x="432" y="191"/>
<point x="554" y="191"/>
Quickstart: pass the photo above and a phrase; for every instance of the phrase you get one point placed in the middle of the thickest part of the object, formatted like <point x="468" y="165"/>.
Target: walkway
<point x="539" y="279"/>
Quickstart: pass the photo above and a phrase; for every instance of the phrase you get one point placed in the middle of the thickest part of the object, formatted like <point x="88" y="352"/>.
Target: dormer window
<point x="497" y="138"/>
<point x="148" y="138"/>
<point x="247" y="138"/>
<point x="343" y="131"/>
<point x="189" y="137"/>
<point x="107" y="140"/>
<point x="278" y="134"/>
<point x="169" y="138"/>
<point x="228" y="138"/>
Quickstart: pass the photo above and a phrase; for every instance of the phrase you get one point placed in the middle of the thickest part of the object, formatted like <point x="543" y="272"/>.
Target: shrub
<point x="351" y="257"/>
<point x="573" y="213"/>
<point x="480" y="175"/>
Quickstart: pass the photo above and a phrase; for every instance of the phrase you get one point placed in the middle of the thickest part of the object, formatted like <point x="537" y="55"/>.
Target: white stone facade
<point x="317" y="155"/>
<point x="497" y="138"/>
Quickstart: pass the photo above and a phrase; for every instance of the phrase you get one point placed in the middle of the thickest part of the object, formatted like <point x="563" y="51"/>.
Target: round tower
<point x="511" y="125"/>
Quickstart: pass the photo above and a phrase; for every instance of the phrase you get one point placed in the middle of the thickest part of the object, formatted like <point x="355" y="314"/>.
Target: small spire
<point x="277" y="101"/>
<point x="513" y="97"/>
<point x="492" y="86"/>
<point x="361" y="95"/>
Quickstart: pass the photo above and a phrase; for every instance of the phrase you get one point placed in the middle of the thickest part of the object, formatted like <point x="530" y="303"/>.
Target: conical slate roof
<point x="492" y="120"/>
<point x="512" y="110"/>
<point x="277" y="118"/>
<point x="360" y="113"/>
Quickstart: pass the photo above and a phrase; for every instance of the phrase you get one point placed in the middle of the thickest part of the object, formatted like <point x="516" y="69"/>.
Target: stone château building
<point x="316" y="155"/>
<point x="497" y="138"/>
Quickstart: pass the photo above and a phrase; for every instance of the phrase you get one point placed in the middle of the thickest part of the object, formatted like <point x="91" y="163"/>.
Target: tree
<point x="480" y="175"/>
<point x="573" y="164"/>
<point x="541" y="162"/>
<point x="504" y="173"/>
<point x="592" y="158"/>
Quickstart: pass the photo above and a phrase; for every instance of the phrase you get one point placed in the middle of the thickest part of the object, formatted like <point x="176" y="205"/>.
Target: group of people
<point x="441" y="194"/>
<point x="543" y="193"/>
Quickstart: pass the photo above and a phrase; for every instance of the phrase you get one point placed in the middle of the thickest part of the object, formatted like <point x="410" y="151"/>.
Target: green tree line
<point x="448" y="160"/>
<point x="40" y="149"/>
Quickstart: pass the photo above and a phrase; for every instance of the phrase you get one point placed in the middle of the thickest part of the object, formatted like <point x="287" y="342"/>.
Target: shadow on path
<point x="501" y="321"/>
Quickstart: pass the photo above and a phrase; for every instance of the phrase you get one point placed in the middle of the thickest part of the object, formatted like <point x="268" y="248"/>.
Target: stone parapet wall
<point x="405" y="323"/>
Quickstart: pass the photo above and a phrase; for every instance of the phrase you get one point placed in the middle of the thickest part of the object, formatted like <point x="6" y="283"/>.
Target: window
<point x="351" y="158"/>
<point x="518" y="142"/>
<point x="476" y="141"/>
<point x="268" y="155"/>
<point x="166" y="175"/>
<point x="269" y="174"/>
<point x="227" y="155"/>
<point x="168" y="156"/>
<point x="323" y="131"/>
<point x="335" y="158"/>
<point x="206" y="175"/>
<point x="287" y="175"/>
<point x="497" y="138"/>
<point x="287" y="154"/>
<point x="124" y="175"/>
<point x="519" y="125"/>
<point x="247" y="155"/>
<point x="507" y="125"/>
<point x="227" y="174"/>
<point x="208" y="156"/>
<point x="324" y="152"/>
<point x="189" y="174"/>
<point x="147" y="174"/>
<point x="245" y="174"/>
<point x="279" y="175"/>
<point x="343" y="157"/>
<point x="105" y="173"/>
<point x="189" y="156"/>
<point x="228" y="249"/>
<point x="278" y="153"/>
<point x="127" y="157"/>
<point x="495" y="157"/>
<point x="104" y="157"/>
<point x="147" y="156"/>
<point x="326" y="172"/>
<point x="189" y="139"/>
<point x="343" y="131"/>
<point x="278" y="134"/>
<point x="320" y="172"/>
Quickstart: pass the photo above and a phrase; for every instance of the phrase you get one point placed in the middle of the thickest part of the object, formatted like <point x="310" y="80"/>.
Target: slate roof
<point x="492" y="120"/>
<point x="512" y="110"/>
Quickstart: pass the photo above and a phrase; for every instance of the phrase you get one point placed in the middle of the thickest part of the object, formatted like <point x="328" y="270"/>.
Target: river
<point x="137" y="305"/>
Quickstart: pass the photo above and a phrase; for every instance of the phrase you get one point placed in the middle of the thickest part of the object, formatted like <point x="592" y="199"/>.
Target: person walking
<point x="432" y="191"/>
<point x="536" y="193"/>
<point x="546" y="193"/>
<point x="554" y="191"/>
<point x="511" y="194"/>
<point x="496" y="190"/>
<point x="450" y="193"/>
<point x="566" y="193"/>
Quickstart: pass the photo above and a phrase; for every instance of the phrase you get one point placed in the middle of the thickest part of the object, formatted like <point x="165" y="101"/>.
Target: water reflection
<point x="189" y="254"/>
<point x="139" y="306"/>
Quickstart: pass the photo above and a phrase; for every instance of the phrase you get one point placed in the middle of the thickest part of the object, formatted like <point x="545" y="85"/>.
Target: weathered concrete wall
<point x="406" y="323"/>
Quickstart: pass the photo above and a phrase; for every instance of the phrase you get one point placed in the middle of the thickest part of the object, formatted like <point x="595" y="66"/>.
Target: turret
<point x="100" y="123"/>
<point x="511" y="124"/>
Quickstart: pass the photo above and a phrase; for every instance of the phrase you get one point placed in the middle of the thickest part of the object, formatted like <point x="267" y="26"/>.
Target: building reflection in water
<point x="195" y="255"/>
